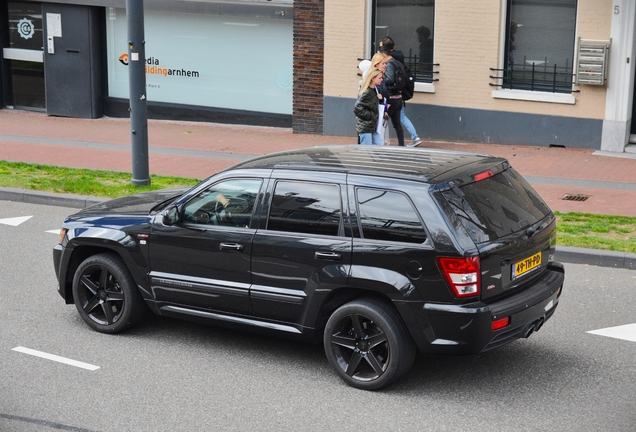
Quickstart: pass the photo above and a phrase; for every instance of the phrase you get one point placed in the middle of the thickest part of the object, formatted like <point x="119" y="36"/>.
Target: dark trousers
<point x="395" y="105"/>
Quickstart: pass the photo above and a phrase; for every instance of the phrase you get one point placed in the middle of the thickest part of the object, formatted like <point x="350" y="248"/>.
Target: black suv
<point x="375" y="251"/>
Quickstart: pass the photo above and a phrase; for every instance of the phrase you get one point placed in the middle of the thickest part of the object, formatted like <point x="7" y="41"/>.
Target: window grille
<point x="422" y="72"/>
<point x="535" y="76"/>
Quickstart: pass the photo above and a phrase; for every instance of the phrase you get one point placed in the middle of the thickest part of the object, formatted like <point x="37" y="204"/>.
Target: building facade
<point x="504" y="71"/>
<point x="530" y="72"/>
<point x="204" y="60"/>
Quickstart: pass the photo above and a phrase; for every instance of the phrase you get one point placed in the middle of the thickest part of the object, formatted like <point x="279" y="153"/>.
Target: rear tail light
<point x="462" y="275"/>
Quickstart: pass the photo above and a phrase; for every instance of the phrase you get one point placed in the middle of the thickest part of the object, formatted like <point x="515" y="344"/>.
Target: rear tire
<point x="105" y="294"/>
<point x="367" y="344"/>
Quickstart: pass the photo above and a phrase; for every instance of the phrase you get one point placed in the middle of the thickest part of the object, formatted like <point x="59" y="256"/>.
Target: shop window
<point x="24" y="56"/>
<point x="540" y="40"/>
<point x="411" y="25"/>
<point x="236" y="60"/>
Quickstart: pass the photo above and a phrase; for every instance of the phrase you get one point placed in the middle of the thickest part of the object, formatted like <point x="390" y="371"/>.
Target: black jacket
<point x="398" y="55"/>
<point x="366" y="111"/>
<point x="391" y="76"/>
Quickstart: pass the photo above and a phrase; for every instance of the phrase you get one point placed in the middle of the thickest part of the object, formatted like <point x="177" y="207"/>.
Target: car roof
<point x="419" y="163"/>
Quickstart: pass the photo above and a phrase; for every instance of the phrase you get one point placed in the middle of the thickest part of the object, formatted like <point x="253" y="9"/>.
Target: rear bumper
<point x="467" y="329"/>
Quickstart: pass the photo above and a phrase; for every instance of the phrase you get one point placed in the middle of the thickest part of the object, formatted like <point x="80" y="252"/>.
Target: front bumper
<point x="467" y="329"/>
<point x="57" y="259"/>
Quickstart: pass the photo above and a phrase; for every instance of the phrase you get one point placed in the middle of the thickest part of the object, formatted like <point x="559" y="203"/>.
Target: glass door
<point x="25" y="56"/>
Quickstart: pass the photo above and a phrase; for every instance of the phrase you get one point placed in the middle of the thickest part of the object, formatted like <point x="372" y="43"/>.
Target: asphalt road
<point x="169" y="375"/>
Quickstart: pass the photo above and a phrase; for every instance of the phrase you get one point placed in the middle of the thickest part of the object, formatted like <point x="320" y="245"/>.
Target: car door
<point x="301" y="251"/>
<point x="203" y="260"/>
<point x="392" y="251"/>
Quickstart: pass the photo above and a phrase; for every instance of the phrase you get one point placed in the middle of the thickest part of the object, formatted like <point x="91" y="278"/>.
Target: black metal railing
<point x="535" y="77"/>
<point x="422" y="71"/>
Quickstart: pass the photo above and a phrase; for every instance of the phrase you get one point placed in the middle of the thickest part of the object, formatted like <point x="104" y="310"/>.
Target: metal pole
<point x="137" y="79"/>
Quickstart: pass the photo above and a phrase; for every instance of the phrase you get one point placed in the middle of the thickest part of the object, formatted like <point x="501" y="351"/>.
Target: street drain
<point x="575" y="197"/>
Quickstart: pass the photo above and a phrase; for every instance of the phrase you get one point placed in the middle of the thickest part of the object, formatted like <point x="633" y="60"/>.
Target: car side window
<point x="228" y="203"/>
<point x="304" y="207"/>
<point x="388" y="215"/>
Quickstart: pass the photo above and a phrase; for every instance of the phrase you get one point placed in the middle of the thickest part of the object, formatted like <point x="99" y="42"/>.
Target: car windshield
<point x="497" y="206"/>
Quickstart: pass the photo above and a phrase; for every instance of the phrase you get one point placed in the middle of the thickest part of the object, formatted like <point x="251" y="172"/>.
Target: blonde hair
<point x="377" y="59"/>
<point x="366" y="82"/>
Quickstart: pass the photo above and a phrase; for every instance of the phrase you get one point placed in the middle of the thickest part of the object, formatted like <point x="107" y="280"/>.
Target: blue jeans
<point x="371" y="139"/>
<point x="407" y="124"/>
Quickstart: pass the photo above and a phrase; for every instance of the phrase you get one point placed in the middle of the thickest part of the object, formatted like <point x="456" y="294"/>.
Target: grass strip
<point x="615" y="233"/>
<point x="108" y="184"/>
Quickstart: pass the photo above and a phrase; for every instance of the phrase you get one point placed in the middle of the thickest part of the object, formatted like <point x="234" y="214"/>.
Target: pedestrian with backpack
<point x="394" y="80"/>
<point x="387" y="44"/>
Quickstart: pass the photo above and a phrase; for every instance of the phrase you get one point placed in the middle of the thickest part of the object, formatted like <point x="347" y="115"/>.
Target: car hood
<point x="140" y="203"/>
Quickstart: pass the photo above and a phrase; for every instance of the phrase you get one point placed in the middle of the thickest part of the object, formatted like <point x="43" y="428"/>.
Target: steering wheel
<point x="201" y="217"/>
<point x="221" y="216"/>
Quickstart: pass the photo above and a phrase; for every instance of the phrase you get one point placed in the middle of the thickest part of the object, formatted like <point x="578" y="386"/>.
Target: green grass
<point x="616" y="233"/>
<point x="97" y="183"/>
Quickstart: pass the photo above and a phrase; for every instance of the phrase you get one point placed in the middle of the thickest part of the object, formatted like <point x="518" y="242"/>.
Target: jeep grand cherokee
<point x="373" y="251"/>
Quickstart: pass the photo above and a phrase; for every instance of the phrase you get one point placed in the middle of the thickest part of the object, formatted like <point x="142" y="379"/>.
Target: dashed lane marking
<point x="15" y="221"/>
<point x="625" y="332"/>
<point x="57" y="231"/>
<point x="55" y="358"/>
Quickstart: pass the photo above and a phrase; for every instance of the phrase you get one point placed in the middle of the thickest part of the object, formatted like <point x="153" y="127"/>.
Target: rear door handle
<point x="328" y="256"/>
<point x="231" y="246"/>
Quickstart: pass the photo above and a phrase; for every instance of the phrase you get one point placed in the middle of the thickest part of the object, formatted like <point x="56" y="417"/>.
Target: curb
<point x="601" y="258"/>
<point x="572" y="255"/>
<point x="47" y="198"/>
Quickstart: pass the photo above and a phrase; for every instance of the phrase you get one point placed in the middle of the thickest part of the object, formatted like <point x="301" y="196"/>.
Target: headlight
<point x="63" y="232"/>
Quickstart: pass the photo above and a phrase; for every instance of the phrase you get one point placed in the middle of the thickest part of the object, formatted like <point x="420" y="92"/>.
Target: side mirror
<point x="170" y="216"/>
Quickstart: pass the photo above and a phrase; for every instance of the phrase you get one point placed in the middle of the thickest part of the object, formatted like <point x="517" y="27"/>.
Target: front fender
<point x="83" y="242"/>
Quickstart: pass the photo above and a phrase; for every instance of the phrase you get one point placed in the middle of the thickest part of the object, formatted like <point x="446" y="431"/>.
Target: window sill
<point x="421" y="87"/>
<point x="535" y="96"/>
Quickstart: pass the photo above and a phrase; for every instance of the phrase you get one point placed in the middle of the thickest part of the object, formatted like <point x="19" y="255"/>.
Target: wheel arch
<point x="80" y="254"/>
<point x="342" y="296"/>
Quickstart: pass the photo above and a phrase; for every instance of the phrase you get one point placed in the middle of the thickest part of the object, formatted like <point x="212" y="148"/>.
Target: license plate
<point x="525" y="265"/>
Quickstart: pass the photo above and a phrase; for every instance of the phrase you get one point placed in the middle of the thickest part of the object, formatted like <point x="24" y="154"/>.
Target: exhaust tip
<point x="535" y="326"/>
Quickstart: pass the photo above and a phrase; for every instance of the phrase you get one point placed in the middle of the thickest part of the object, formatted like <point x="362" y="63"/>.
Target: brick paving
<point x="197" y="150"/>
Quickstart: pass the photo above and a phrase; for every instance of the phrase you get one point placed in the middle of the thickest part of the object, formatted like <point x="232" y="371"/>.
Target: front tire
<point x="105" y="294"/>
<point x="367" y="344"/>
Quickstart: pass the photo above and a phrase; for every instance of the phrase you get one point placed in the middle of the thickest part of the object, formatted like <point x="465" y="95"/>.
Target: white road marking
<point x="625" y="332"/>
<point x="15" y="221"/>
<point x="57" y="231"/>
<point x="55" y="358"/>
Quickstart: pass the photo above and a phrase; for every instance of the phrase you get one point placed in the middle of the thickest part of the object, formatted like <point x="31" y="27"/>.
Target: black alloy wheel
<point x="105" y="294"/>
<point x="367" y="344"/>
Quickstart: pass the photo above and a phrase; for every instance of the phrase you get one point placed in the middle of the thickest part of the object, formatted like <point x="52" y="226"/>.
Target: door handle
<point x="231" y="246"/>
<point x="328" y="256"/>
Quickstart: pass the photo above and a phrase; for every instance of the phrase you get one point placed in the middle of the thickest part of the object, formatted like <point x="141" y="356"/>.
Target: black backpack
<point x="404" y="81"/>
<point x="409" y="84"/>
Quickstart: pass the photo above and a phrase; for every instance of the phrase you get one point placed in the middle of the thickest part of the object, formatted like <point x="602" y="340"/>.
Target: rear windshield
<point x="497" y="206"/>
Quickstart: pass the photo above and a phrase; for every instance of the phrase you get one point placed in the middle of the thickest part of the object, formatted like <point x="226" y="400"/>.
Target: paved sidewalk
<point x="607" y="183"/>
